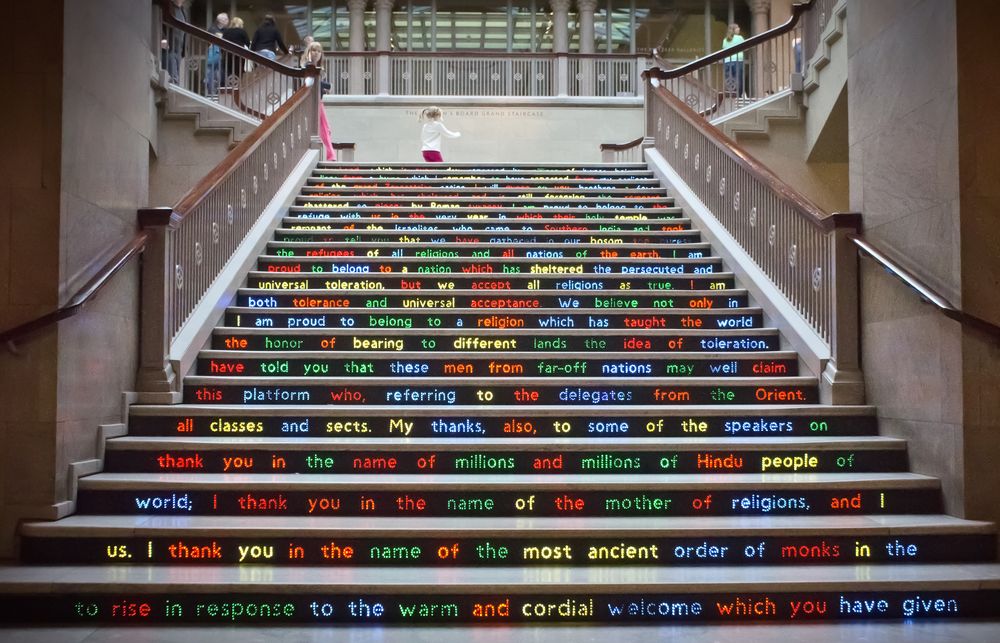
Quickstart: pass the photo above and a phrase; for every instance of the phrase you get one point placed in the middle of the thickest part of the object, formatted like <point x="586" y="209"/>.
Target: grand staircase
<point x="489" y="394"/>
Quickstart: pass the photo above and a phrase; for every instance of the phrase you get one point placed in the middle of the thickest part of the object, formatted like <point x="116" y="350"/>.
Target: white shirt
<point x="430" y="136"/>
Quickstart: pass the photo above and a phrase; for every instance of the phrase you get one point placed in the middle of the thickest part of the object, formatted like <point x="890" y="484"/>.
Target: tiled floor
<point x="925" y="632"/>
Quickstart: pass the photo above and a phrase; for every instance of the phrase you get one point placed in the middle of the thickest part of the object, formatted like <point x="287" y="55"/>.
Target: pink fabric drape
<point x="324" y="135"/>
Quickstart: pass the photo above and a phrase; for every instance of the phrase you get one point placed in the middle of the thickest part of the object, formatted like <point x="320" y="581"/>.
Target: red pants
<point x="432" y="156"/>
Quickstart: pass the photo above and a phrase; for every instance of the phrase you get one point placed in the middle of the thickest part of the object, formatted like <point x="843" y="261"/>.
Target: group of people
<point x="267" y="41"/>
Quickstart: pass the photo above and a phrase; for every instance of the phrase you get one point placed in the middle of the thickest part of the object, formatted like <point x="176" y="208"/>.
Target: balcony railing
<point x="482" y="74"/>
<point x="217" y="70"/>
<point x="730" y="79"/>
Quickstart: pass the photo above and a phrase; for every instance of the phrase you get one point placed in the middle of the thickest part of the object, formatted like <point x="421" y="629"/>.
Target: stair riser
<point x="504" y="281"/>
<point x="486" y="237"/>
<point x="204" y="390"/>
<point x="552" y="303"/>
<point x="459" y="424"/>
<point x="525" y="190"/>
<point x="452" y="266"/>
<point x="438" y="200"/>
<point x="637" y="342"/>
<point x="498" y="461"/>
<point x="499" y="605"/>
<point x="537" y="251"/>
<point x="498" y="365"/>
<point x="322" y="221"/>
<point x="341" y="500"/>
<point x="500" y="549"/>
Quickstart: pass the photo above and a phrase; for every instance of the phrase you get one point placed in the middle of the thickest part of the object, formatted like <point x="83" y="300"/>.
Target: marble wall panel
<point x="105" y="157"/>
<point x="182" y="159"/>
<point x="912" y="366"/>
<point x="901" y="55"/>
<point x="495" y="133"/>
<point x="934" y="449"/>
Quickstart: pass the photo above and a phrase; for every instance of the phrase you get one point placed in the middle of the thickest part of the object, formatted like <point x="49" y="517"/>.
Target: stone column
<point x="383" y="24"/>
<point x="586" y="67"/>
<point x="760" y="13"/>
<point x="383" y="33"/>
<point x="560" y="43"/>
<point x="560" y="26"/>
<point x="356" y="9"/>
<point x="356" y="43"/>
<point x="586" y="17"/>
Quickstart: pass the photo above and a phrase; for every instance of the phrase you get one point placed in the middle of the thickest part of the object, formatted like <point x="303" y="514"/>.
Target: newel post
<point x="156" y="373"/>
<point x="842" y="381"/>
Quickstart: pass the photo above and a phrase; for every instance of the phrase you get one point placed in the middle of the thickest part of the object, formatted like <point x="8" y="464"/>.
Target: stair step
<point x="325" y="181"/>
<point x="599" y="365"/>
<point x="638" y="191"/>
<point x="503" y="281"/>
<point x="735" y="494"/>
<point x="318" y="219"/>
<point x="531" y="250"/>
<point x="689" y="308"/>
<point x="478" y="526"/>
<point x="570" y="201"/>
<point x="637" y="342"/>
<point x="380" y="541"/>
<point x="467" y="390"/>
<point x="503" y="456"/>
<point x="407" y="595"/>
<point x="439" y="237"/>
<point x="501" y="421"/>
<point x="456" y="265"/>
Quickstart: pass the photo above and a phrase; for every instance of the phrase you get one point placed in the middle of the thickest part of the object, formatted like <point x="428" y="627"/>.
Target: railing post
<point x="562" y="75"/>
<point x="382" y="73"/>
<point x="842" y="381"/>
<point x="156" y="373"/>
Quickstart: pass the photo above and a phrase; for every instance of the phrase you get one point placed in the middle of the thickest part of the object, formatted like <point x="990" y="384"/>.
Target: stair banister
<point x="191" y="242"/>
<point x="804" y="251"/>
<point x="922" y="288"/>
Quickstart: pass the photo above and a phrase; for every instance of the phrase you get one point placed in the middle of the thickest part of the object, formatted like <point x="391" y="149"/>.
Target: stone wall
<point x="76" y="174"/>
<point x="492" y="130"/>
<point x="916" y="164"/>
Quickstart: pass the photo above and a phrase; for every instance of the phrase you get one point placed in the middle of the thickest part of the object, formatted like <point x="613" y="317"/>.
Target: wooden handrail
<point x="926" y="292"/>
<point x="814" y="214"/>
<point x="225" y="45"/>
<point x="103" y="275"/>
<point x="666" y="74"/>
<point x="620" y="147"/>
<point x="173" y="216"/>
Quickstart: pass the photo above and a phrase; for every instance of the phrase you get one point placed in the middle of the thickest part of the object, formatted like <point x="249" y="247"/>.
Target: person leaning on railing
<point x="733" y="65"/>
<point x="313" y="55"/>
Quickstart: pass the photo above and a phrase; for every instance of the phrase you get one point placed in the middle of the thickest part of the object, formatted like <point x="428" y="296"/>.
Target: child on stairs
<point x="431" y="133"/>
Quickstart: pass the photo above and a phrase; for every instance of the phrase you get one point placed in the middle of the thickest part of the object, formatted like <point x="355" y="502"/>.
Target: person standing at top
<point x="213" y="57"/>
<point x="733" y="65"/>
<point x="267" y="38"/>
<point x="313" y="55"/>
<point x="431" y="133"/>
<point x="308" y="40"/>
<point x="175" y="41"/>
<point x="236" y="34"/>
